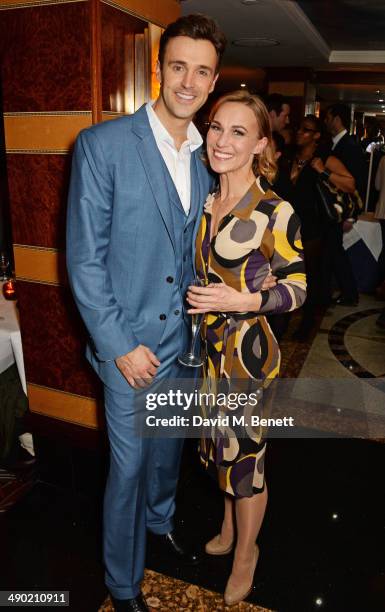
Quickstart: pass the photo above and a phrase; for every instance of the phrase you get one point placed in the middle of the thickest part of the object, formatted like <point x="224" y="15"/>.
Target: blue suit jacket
<point x="120" y="239"/>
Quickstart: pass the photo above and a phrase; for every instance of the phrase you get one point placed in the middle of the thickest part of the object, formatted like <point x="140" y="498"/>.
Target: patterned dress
<point x="262" y="231"/>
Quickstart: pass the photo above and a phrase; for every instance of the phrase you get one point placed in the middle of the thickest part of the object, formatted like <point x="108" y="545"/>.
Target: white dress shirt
<point x="337" y="138"/>
<point x="177" y="162"/>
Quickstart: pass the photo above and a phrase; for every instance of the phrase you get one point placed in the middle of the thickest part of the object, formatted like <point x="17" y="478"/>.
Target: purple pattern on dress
<point x="240" y="470"/>
<point x="256" y="261"/>
<point x="284" y="301"/>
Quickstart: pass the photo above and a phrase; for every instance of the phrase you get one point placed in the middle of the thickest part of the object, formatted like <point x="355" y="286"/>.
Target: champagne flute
<point x="4" y="263"/>
<point x="190" y="359"/>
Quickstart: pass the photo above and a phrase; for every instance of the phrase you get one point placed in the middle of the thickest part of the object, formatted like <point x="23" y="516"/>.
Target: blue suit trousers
<point x="142" y="480"/>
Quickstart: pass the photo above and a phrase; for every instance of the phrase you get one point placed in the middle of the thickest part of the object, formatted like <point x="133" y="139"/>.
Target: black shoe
<point x="176" y="548"/>
<point x="137" y="604"/>
<point x="342" y="301"/>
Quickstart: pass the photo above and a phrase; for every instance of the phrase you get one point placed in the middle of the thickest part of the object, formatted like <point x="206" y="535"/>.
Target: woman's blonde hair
<point x="264" y="164"/>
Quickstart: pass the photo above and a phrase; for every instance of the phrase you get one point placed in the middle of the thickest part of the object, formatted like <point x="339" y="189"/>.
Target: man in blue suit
<point x="137" y="191"/>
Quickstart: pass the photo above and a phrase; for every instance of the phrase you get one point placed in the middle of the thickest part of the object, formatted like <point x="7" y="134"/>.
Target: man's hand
<point x="138" y="366"/>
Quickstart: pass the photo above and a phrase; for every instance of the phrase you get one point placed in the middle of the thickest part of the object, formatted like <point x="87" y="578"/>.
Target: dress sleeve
<point x="287" y="263"/>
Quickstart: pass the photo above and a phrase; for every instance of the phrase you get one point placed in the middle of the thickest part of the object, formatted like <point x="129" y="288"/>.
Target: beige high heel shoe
<point x="214" y="546"/>
<point x="234" y="595"/>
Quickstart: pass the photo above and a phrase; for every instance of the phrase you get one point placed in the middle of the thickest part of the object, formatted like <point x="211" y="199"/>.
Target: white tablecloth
<point x="11" y="350"/>
<point x="10" y="339"/>
<point x="367" y="231"/>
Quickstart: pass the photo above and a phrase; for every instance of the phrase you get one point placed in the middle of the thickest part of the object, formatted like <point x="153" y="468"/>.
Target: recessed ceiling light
<point x="255" y="42"/>
<point x="243" y="84"/>
<point x="319" y="602"/>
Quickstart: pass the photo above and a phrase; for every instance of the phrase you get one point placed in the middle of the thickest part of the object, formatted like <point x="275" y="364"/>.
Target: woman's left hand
<point x="218" y="297"/>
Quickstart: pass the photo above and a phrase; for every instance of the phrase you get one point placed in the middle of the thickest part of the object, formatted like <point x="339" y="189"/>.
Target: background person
<point x="309" y="163"/>
<point x="349" y="152"/>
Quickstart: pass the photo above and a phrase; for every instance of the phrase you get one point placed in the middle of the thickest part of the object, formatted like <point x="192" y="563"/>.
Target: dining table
<point x="363" y="244"/>
<point x="11" y="351"/>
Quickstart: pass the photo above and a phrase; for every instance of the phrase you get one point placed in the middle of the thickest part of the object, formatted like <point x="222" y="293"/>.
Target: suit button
<point x="170" y="279"/>
<point x="162" y="317"/>
<point x="176" y="312"/>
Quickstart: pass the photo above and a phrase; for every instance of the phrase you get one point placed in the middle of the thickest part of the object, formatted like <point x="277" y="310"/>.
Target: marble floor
<point x="348" y="343"/>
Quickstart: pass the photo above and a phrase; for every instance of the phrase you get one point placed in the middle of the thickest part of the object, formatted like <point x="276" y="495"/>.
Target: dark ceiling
<point x="348" y="24"/>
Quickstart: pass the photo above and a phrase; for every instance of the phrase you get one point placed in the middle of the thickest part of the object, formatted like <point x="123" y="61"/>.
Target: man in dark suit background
<point x="345" y="148"/>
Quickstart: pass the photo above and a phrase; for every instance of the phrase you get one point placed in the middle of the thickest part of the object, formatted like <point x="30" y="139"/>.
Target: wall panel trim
<point x="40" y="264"/>
<point x="53" y="132"/>
<point x="78" y="409"/>
<point x="6" y="5"/>
<point x="160" y="13"/>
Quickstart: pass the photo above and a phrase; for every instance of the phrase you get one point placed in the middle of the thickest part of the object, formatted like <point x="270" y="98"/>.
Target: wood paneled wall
<point x="64" y="63"/>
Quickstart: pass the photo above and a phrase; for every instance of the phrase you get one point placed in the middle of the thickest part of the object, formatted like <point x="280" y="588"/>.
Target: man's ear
<point x="260" y="146"/>
<point x="213" y="83"/>
<point x="158" y="71"/>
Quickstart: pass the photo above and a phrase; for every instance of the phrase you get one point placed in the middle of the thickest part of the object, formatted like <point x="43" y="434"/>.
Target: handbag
<point x="338" y="205"/>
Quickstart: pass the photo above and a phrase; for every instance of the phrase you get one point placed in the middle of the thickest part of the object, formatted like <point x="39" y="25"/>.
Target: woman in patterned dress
<point x="246" y="231"/>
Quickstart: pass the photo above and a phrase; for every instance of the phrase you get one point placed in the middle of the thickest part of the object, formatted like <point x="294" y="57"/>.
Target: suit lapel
<point x="153" y="166"/>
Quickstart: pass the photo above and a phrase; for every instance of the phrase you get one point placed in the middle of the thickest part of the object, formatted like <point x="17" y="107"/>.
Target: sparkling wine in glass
<point x="192" y="358"/>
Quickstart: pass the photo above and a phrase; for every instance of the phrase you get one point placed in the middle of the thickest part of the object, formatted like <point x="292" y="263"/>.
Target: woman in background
<point x="309" y="163"/>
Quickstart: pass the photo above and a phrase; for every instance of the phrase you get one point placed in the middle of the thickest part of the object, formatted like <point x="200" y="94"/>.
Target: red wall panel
<point x="54" y="340"/>
<point x="38" y="186"/>
<point x="52" y="73"/>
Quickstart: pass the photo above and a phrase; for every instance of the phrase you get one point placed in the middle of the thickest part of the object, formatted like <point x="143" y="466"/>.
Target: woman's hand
<point x="317" y="164"/>
<point x="269" y="282"/>
<point x="218" y="297"/>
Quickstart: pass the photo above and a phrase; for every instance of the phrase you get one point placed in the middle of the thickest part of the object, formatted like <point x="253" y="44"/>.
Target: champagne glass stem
<point x="195" y="330"/>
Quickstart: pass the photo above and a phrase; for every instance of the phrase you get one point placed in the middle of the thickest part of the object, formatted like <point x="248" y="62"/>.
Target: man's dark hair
<point x="342" y="111"/>
<point x="275" y="102"/>
<point x="198" y="27"/>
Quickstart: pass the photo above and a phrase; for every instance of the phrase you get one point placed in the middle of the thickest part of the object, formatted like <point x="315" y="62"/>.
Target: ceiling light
<point x="319" y="602"/>
<point x="377" y="91"/>
<point x="255" y="42"/>
<point x="243" y="84"/>
<point x="381" y="100"/>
